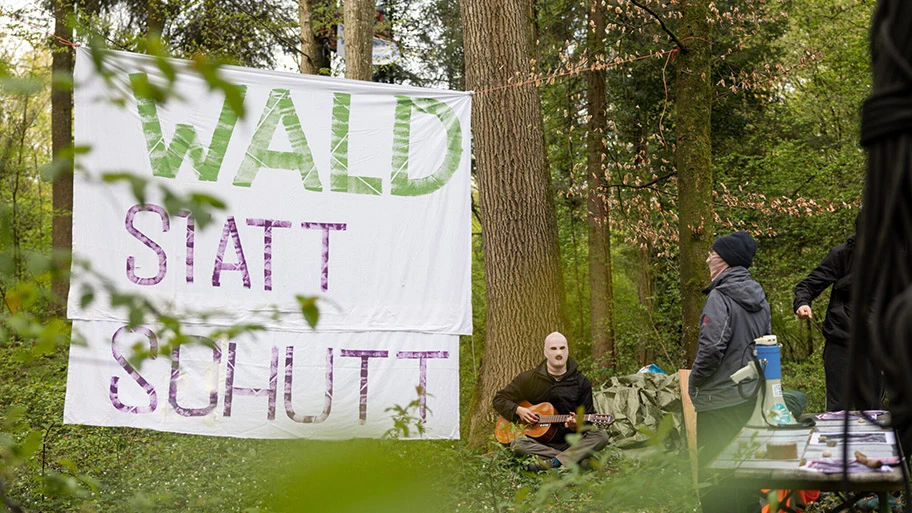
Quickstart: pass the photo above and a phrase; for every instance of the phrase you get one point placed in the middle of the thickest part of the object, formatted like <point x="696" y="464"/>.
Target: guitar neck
<point x="560" y="419"/>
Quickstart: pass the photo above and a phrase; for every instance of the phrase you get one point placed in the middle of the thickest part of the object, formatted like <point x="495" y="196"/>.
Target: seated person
<point x="558" y="381"/>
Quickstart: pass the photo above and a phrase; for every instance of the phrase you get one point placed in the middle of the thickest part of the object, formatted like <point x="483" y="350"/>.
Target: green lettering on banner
<point x="339" y="179"/>
<point x="401" y="184"/>
<point x="165" y="158"/>
<point x="279" y="107"/>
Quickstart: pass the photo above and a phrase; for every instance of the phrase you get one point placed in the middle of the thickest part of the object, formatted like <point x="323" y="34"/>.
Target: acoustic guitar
<point x="546" y="427"/>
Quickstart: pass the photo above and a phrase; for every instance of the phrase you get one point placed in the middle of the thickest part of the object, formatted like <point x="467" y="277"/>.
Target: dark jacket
<point x="835" y="270"/>
<point x="537" y="386"/>
<point x="735" y="313"/>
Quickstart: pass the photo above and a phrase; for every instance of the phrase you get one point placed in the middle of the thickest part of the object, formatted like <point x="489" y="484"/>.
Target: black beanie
<point x="737" y="249"/>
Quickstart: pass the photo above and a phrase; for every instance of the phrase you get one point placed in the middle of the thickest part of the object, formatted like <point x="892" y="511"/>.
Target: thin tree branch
<point x="662" y="24"/>
<point x="647" y="185"/>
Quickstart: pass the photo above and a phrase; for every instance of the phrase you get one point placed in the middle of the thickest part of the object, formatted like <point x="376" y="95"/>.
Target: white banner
<point x="351" y="191"/>
<point x="268" y="385"/>
<point x="357" y="194"/>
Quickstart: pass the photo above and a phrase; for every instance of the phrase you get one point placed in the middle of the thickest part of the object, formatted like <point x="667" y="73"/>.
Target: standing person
<point x="836" y="270"/>
<point x="735" y="313"/>
<point x="558" y="381"/>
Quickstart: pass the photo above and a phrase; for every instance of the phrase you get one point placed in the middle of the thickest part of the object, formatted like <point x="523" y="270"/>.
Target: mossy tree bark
<point x="601" y="295"/>
<point x="61" y="147"/>
<point x="523" y="277"/>
<point x="693" y="159"/>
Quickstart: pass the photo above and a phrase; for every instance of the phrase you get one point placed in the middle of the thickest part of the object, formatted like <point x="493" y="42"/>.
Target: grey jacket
<point x="735" y="313"/>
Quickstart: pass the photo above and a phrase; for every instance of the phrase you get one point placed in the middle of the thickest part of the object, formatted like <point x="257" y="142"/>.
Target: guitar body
<point x="506" y="431"/>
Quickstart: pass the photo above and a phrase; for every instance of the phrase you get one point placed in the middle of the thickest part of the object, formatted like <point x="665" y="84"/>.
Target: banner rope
<point x="596" y="67"/>
<point x="43" y="30"/>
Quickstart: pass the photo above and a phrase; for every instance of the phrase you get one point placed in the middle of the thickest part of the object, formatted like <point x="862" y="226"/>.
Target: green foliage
<point x="244" y="32"/>
<point x="789" y="81"/>
<point x="802" y="146"/>
<point x="807" y="376"/>
<point x="651" y="480"/>
<point x="407" y="417"/>
<point x="437" y="36"/>
<point x="309" y="309"/>
<point x="62" y="468"/>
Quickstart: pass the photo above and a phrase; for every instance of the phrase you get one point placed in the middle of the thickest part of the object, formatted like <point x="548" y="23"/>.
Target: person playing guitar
<point x="559" y="382"/>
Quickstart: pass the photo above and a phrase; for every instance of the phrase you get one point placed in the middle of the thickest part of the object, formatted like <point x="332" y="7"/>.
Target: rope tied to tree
<point x="29" y="24"/>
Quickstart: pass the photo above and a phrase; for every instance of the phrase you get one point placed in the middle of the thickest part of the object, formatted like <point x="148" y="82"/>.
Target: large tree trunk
<point x="693" y="158"/>
<point x="601" y="297"/>
<point x="312" y="59"/>
<point x="61" y="141"/>
<point x="359" y="38"/>
<point x="525" y="290"/>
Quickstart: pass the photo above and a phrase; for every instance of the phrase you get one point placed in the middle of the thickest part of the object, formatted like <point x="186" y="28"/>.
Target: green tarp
<point x="639" y="402"/>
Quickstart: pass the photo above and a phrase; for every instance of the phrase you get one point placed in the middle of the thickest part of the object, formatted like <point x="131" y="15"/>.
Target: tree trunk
<point x="523" y="277"/>
<point x="312" y="59"/>
<point x="359" y="38"/>
<point x="601" y="297"/>
<point x="156" y="17"/>
<point x="693" y="159"/>
<point x="645" y="325"/>
<point x="579" y="329"/>
<point x="61" y="143"/>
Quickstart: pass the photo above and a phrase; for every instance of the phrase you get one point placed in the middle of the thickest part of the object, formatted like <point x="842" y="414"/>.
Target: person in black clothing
<point x="558" y="381"/>
<point x="835" y="270"/>
<point x="735" y="314"/>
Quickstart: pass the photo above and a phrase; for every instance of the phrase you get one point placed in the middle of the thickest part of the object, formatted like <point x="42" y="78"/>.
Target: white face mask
<point x="716" y="265"/>
<point x="556" y="352"/>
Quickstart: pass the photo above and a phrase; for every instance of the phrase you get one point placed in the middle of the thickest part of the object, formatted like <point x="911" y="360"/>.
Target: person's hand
<point x="804" y="312"/>
<point x="526" y="415"/>
<point x="571" y="422"/>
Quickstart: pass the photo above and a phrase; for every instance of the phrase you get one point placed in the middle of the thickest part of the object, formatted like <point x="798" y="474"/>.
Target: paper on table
<point x="863" y="437"/>
<point x="834" y="466"/>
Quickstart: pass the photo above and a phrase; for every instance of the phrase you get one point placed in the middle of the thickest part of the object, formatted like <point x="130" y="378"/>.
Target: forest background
<point x="612" y="139"/>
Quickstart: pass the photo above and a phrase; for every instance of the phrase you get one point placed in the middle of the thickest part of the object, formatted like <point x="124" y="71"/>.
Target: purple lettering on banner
<point x="326" y="227"/>
<point x="191" y="231"/>
<point x="365" y="356"/>
<point x="141" y="237"/>
<point x="141" y="381"/>
<point x="175" y="373"/>
<point x="422" y="357"/>
<point x="267" y="225"/>
<point x="271" y="392"/>
<point x="327" y="398"/>
<point x="230" y="230"/>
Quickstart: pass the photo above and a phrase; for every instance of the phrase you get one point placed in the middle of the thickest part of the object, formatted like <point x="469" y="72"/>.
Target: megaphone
<point x="770" y="410"/>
